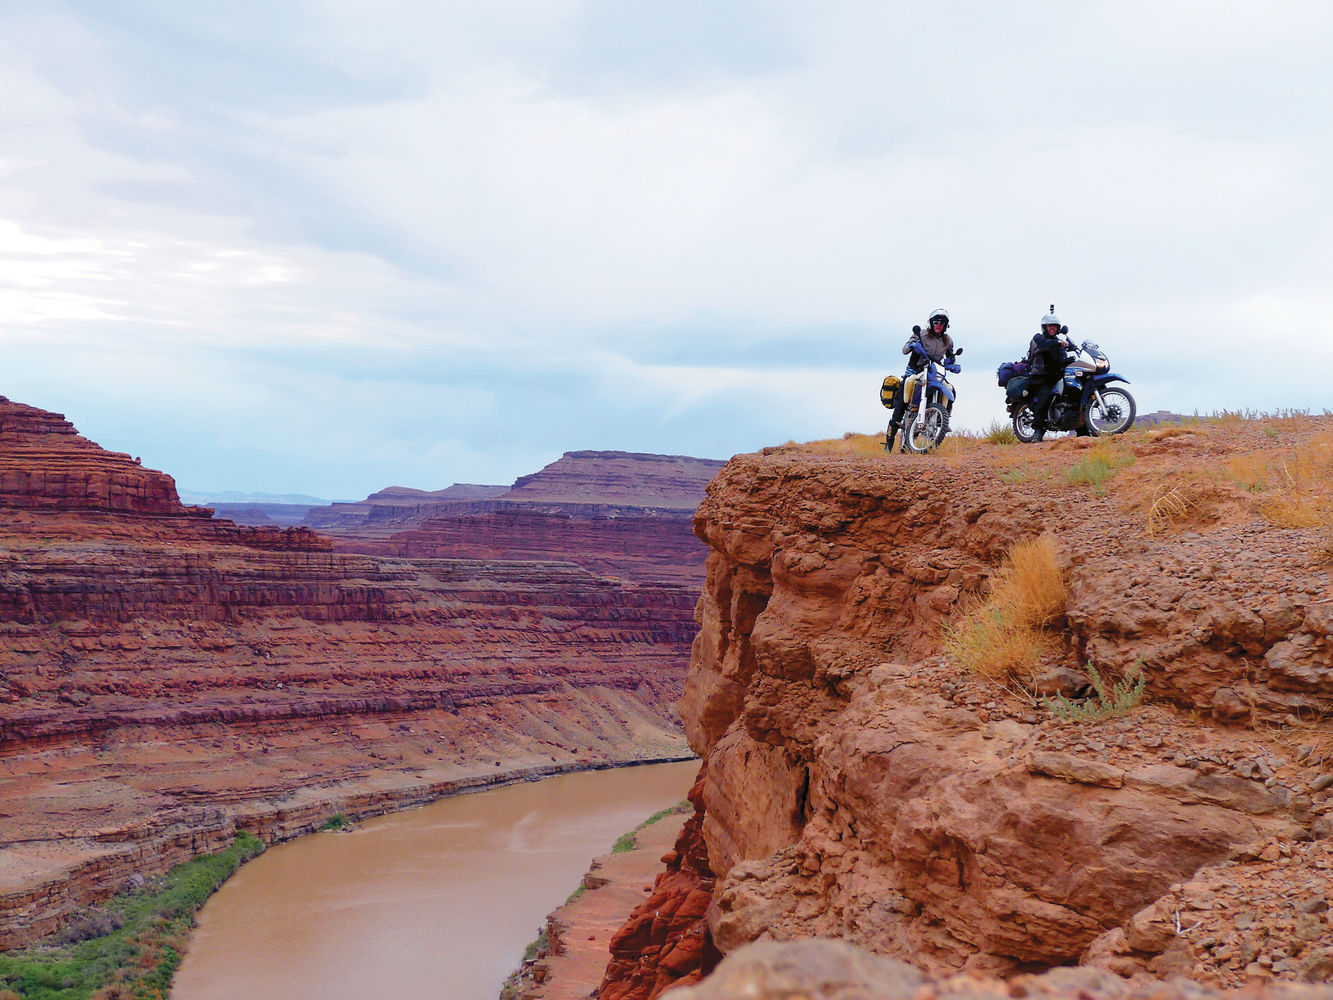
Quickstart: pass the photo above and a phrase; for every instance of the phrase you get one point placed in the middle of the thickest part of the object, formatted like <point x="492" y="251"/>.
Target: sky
<point x="328" y="247"/>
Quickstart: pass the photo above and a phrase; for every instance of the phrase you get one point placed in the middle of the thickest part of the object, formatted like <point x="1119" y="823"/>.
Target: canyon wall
<point x="860" y="785"/>
<point x="167" y="678"/>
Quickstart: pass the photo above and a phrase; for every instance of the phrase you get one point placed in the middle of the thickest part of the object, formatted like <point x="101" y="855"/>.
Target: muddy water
<point x="436" y="902"/>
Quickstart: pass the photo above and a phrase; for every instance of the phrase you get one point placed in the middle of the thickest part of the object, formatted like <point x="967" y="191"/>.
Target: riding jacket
<point x="937" y="345"/>
<point x="1046" y="355"/>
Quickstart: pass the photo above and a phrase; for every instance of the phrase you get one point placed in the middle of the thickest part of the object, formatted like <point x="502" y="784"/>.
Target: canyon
<point x="168" y="677"/>
<point x="171" y="677"/>
<point x="858" y="784"/>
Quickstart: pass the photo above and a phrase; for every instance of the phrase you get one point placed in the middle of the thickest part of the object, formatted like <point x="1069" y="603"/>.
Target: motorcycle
<point x="930" y="399"/>
<point x="1084" y="401"/>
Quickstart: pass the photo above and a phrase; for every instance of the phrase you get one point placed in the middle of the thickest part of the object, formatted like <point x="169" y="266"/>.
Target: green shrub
<point x="530" y="952"/>
<point x="1112" y="700"/>
<point x="1099" y="465"/>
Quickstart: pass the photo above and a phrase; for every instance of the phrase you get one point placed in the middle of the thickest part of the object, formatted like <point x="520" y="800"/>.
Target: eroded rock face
<point x="167" y="678"/>
<point x="861" y="787"/>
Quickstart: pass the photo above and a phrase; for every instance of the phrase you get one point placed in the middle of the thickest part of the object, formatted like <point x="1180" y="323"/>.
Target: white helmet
<point x="942" y="313"/>
<point x="1050" y="319"/>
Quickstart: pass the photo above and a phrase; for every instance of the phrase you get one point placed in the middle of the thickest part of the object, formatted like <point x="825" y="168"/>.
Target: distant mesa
<point x="615" y="513"/>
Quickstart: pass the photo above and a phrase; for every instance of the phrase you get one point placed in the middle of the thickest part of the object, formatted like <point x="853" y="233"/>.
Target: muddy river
<point x="436" y="902"/>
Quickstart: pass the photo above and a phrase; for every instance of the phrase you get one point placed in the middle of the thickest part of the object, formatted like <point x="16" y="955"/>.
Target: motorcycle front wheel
<point x="1115" y="415"/>
<point x="927" y="429"/>
<point x="1022" y="422"/>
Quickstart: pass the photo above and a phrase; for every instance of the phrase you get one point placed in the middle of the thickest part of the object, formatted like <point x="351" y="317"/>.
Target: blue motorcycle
<point x="1085" y="401"/>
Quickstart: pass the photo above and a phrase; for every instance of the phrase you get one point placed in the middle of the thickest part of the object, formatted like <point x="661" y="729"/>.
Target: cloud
<point x="322" y="248"/>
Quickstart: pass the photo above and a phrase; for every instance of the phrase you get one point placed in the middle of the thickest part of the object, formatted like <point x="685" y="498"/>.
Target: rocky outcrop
<point x="46" y="465"/>
<point x="167" y="678"/>
<point x="835" y="970"/>
<point x="861" y="786"/>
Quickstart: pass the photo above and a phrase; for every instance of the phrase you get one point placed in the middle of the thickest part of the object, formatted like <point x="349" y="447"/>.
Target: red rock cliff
<point x="861" y="786"/>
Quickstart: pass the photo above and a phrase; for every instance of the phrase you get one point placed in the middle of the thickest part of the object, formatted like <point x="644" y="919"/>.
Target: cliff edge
<point x="861" y="785"/>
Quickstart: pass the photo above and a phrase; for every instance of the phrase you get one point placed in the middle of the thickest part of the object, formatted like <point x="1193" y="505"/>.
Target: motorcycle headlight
<point x="1103" y="365"/>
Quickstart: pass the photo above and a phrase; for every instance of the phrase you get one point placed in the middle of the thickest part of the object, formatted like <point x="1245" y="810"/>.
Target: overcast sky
<point x="333" y="246"/>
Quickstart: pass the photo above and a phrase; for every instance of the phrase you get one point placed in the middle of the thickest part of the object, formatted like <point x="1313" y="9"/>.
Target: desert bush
<point x="92" y="922"/>
<point x="1112" y="699"/>
<point x="999" y="432"/>
<point x="1007" y="635"/>
<point x="335" y="822"/>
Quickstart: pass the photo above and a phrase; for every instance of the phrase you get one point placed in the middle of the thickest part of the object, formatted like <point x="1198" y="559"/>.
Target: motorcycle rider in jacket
<point x="934" y="343"/>
<point x="1047" y="358"/>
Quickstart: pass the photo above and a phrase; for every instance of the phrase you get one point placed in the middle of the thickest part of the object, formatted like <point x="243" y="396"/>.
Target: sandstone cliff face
<point x="860" y="786"/>
<point x="167" y="678"/>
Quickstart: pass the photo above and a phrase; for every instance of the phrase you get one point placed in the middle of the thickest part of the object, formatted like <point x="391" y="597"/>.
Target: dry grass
<point x="1168" y="431"/>
<point x="1167" y="509"/>
<point x="851" y="443"/>
<point x="1293" y="485"/>
<point x="999" y="432"/>
<point x="1008" y="635"/>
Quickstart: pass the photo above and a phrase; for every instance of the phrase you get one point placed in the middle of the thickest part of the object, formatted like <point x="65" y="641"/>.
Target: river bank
<point x="568" y="960"/>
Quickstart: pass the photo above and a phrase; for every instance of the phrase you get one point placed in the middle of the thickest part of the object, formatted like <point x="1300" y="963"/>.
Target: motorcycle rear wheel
<point x="1116" y="417"/>
<point x="927" y="429"/>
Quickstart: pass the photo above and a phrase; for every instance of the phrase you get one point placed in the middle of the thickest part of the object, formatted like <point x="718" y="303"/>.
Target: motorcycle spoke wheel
<point x="1022" y="422"/>
<point x="927" y="430"/>
<point x="1114" y="416"/>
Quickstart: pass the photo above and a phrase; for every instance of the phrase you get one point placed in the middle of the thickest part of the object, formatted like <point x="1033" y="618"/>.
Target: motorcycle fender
<point x="947" y="392"/>
<point x="1110" y="377"/>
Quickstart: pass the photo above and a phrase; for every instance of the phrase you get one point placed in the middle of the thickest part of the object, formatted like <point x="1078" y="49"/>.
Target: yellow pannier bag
<point x="888" y="392"/>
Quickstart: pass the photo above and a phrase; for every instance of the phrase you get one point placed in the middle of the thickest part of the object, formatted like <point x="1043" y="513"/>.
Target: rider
<point x="1046" y="355"/>
<point x="933" y="343"/>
